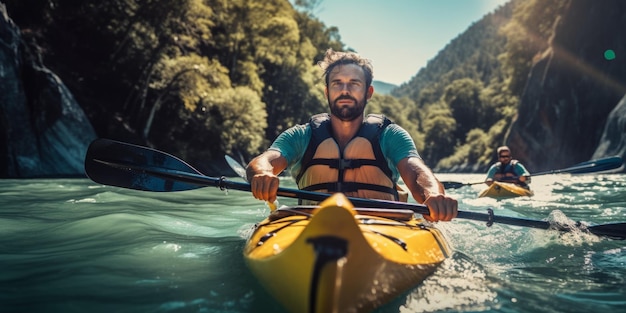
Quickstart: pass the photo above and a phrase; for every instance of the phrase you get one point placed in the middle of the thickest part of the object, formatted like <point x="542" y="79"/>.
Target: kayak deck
<point x="505" y="190"/>
<point x="335" y="258"/>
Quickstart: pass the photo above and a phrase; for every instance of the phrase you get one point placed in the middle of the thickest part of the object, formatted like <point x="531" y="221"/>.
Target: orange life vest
<point x="360" y="170"/>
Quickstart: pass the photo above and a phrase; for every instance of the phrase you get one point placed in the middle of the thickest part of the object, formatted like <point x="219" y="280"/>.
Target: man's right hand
<point x="262" y="173"/>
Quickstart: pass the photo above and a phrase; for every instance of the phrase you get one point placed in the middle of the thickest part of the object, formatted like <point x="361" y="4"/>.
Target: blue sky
<point x="400" y="36"/>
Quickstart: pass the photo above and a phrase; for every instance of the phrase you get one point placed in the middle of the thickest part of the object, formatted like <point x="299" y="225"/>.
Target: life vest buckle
<point x="343" y="164"/>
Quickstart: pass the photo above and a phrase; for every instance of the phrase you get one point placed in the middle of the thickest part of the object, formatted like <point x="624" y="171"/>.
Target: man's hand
<point x="442" y="208"/>
<point x="264" y="186"/>
<point x="262" y="173"/>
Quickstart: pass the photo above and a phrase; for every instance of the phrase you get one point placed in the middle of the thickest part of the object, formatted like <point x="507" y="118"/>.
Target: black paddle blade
<point x="452" y="185"/>
<point x="596" y="165"/>
<point x="456" y="184"/>
<point x="592" y="166"/>
<point x="613" y="231"/>
<point x="125" y="165"/>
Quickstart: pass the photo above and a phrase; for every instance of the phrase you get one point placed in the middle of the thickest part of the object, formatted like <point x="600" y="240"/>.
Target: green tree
<point x="224" y="121"/>
<point x="397" y="109"/>
<point x="470" y="155"/>
<point x="184" y="81"/>
<point x="463" y="98"/>
<point x="439" y="127"/>
<point x="239" y="120"/>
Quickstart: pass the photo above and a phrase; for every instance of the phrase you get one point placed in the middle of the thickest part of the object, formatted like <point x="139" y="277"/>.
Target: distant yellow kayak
<point x="505" y="190"/>
<point x="335" y="258"/>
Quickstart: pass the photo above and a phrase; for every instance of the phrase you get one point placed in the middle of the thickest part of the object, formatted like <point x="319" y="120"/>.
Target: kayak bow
<point x="500" y="190"/>
<point x="335" y="258"/>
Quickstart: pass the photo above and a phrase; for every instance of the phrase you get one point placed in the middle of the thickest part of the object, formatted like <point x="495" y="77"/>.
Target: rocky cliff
<point x="574" y="89"/>
<point x="613" y="141"/>
<point x="44" y="132"/>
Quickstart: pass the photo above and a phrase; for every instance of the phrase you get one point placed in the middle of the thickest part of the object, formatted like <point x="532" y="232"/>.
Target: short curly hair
<point x="333" y="58"/>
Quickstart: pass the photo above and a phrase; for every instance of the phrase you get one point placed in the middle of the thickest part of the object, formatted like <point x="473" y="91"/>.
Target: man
<point x="507" y="169"/>
<point x="345" y="152"/>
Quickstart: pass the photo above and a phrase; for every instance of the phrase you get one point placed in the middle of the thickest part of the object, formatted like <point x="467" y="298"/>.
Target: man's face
<point x="504" y="157"/>
<point x="346" y="92"/>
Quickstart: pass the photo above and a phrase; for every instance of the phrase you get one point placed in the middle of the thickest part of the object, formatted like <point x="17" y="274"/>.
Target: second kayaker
<point x="507" y="169"/>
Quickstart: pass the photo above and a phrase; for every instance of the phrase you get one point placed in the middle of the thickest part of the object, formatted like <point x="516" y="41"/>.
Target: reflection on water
<point x="70" y="245"/>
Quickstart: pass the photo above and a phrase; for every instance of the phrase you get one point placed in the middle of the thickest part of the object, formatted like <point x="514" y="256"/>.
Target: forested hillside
<point x="204" y="78"/>
<point x="462" y="96"/>
<point x="468" y="97"/>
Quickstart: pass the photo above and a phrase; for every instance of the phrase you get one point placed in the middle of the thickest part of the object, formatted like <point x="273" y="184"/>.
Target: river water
<point x="71" y="245"/>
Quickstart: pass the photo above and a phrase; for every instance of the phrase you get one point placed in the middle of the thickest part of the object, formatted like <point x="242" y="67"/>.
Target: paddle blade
<point x="456" y="185"/>
<point x="235" y="166"/>
<point x="614" y="231"/>
<point x="592" y="166"/>
<point x="452" y="184"/>
<point x="125" y="165"/>
<point x="596" y="165"/>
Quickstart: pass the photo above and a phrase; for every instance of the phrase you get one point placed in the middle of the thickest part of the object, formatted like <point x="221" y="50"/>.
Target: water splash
<point x="576" y="232"/>
<point x="460" y="284"/>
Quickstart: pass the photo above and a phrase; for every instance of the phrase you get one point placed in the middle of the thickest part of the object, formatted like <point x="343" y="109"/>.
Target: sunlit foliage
<point x="528" y="34"/>
<point x="198" y="77"/>
<point x="202" y="78"/>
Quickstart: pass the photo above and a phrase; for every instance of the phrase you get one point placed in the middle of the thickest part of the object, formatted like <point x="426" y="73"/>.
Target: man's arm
<point x="490" y="174"/>
<point x="427" y="189"/>
<point x="262" y="173"/>
<point x="524" y="174"/>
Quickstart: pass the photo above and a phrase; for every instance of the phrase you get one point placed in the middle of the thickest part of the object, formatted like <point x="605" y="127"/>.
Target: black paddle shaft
<point x="130" y="166"/>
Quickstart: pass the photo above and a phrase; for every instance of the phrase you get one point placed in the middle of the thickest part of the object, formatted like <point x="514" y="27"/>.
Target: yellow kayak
<point x="505" y="190"/>
<point x="335" y="258"/>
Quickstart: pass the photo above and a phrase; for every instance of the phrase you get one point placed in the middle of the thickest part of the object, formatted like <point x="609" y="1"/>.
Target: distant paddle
<point x="236" y="166"/>
<point x="592" y="166"/>
<point x="130" y="166"/>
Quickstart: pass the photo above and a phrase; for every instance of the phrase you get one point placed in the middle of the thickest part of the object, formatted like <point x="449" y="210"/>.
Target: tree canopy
<point x="202" y="78"/>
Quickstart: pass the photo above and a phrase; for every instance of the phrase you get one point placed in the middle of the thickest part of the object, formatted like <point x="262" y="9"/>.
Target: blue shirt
<point x="518" y="169"/>
<point x="395" y="143"/>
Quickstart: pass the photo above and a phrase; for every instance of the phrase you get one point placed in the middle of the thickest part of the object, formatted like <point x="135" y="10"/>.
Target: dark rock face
<point x="44" y="132"/>
<point x="572" y="89"/>
<point x="613" y="140"/>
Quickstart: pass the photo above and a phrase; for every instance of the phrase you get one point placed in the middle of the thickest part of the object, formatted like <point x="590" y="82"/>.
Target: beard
<point x="345" y="113"/>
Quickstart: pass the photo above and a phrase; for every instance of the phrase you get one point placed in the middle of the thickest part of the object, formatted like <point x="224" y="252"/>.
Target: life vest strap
<point x="351" y="187"/>
<point x="344" y="163"/>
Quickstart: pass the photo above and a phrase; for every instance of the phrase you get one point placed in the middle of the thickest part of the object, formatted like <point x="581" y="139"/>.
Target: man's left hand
<point x="442" y="208"/>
